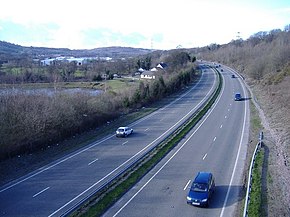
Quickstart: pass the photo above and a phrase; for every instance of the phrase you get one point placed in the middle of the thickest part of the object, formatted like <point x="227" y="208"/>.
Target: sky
<point x="151" y="24"/>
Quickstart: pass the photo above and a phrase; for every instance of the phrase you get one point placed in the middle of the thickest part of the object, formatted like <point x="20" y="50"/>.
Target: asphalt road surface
<point x="218" y="145"/>
<point x="60" y="186"/>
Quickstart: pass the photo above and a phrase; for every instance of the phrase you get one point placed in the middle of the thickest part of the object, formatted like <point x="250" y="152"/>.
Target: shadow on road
<point x="236" y="194"/>
<point x="246" y="99"/>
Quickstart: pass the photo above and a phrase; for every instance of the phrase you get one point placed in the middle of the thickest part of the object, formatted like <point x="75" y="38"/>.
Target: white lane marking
<point x="132" y="157"/>
<point x="185" y="187"/>
<point x="147" y="129"/>
<point x="125" y="142"/>
<point x="225" y="116"/>
<point x="221" y="126"/>
<point x="57" y="163"/>
<point x="95" y="144"/>
<point x="228" y="110"/>
<point x="186" y="93"/>
<point x="123" y="207"/>
<point x="204" y="156"/>
<point x="41" y="192"/>
<point x="43" y="169"/>
<point x="92" y="162"/>
<point x="236" y="162"/>
<point x="214" y="138"/>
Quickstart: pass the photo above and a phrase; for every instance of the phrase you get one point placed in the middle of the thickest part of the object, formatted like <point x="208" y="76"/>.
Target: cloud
<point x="19" y="33"/>
<point x="158" y="24"/>
<point x="103" y="37"/>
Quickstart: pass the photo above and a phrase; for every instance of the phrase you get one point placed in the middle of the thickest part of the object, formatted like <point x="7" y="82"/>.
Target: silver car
<point x="123" y="131"/>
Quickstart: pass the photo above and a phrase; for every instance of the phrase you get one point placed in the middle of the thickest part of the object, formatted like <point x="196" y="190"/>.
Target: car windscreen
<point x="199" y="187"/>
<point x="120" y="130"/>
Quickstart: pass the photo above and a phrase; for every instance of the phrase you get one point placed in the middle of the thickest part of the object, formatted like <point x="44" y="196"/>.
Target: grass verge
<point x="256" y="195"/>
<point x="255" y="205"/>
<point x="105" y="198"/>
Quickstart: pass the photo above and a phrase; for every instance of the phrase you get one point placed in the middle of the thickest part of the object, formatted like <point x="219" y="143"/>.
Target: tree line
<point x="30" y="122"/>
<point x="264" y="62"/>
<point x="263" y="54"/>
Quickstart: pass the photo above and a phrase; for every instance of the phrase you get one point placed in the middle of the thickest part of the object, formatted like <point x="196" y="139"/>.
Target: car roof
<point x="202" y="177"/>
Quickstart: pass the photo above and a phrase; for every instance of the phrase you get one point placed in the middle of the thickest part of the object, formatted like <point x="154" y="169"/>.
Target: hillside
<point x="264" y="61"/>
<point x="9" y="51"/>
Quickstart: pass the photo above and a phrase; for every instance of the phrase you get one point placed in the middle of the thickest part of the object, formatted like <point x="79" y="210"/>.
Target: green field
<point x="113" y="85"/>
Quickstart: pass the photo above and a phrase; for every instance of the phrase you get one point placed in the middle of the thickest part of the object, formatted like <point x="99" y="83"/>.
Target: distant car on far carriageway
<point x="123" y="131"/>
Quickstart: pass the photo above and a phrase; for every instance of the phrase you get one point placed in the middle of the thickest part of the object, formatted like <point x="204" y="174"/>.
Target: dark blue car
<point x="201" y="189"/>
<point x="238" y="97"/>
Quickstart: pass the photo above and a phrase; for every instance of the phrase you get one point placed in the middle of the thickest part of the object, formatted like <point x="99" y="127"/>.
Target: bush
<point x="30" y="122"/>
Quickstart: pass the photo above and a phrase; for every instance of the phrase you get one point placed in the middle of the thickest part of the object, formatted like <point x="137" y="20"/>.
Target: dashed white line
<point x="185" y="187"/>
<point x="125" y="142"/>
<point x="147" y="129"/>
<point x="41" y="192"/>
<point x="221" y="126"/>
<point x="237" y="159"/>
<point x="155" y="174"/>
<point x="204" y="156"/>
<point x="214" y="138"/>
<point x="92" y="162"/>
<point x="225" y="116"/>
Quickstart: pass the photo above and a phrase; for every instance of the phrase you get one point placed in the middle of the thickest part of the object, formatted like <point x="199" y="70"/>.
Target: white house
<point x="148" y="75"/>
<point x="47" y="62"/>
<point x="78" y="61"/>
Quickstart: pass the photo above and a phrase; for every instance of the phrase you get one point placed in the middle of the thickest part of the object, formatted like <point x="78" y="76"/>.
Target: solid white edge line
<point x="208" y="114"/>
<point x="53" y="165"/>
<point x="237" y="157"/>
<point x="94" y="144"/>
<point x="56" y="211"/>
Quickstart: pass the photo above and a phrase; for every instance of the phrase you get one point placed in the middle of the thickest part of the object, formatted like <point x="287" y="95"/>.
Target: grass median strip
<point x="104" y="199"/>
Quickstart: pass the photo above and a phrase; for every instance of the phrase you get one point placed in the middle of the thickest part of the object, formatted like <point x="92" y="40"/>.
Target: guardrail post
<point x="261" y="137"/>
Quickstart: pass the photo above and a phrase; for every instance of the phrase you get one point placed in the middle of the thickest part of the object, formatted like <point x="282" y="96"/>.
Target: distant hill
<point x="10" y="51"/>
